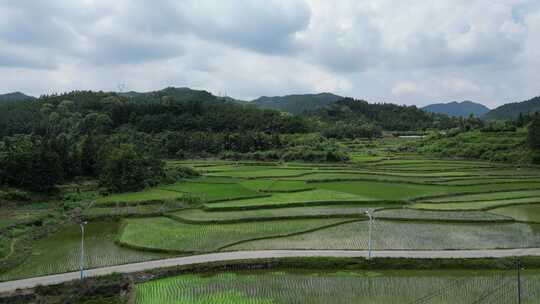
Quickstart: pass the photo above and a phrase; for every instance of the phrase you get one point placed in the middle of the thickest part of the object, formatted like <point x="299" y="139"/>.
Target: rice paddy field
<point x="60" y="252"/>
<point x="385" y="287"/>
<point x="417" y="203"/>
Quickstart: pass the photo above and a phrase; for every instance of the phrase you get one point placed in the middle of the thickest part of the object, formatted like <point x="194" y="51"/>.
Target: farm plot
<point x="275" y="185"/>
<point x="141" y="196"/>
<point x="61" y="252"/>
<point x="13" y="217"/>
<point x="483" y="181"/>
<point x="383" y="190"/>
<point x="261" y="171"/>
<point x="476" y="205"/>
<point x="408" y="235"/>
<point x="524" y="213"/>
<point x="483" y="196"/>
<point x="277" y="200"/>
<point x="388" y="287"/>
<point x="460" y="216"/>
<point x="212" y="191"/>
<point x="432" y="165"/>
<point x="202" y="216"/>
<point x="164" y="234"/>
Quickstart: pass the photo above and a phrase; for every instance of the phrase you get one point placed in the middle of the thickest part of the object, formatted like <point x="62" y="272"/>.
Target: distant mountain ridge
<point x="297" y="103"/>
<point x="512" y="110"/>
<point x="15" y="96"/>
<point x="458" y="109"/>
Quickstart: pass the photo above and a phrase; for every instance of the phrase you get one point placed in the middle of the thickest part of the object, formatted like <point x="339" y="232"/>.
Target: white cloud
<point x="382" y="50"/>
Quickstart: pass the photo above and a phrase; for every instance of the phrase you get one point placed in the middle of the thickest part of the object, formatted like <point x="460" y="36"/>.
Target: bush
<point x="174" y="174"/>
<point x="125" y="169"/>
<point x="15" y="195"/>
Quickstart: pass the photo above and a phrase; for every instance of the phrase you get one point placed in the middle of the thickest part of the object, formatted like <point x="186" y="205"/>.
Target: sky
<point x="406" y="52"/>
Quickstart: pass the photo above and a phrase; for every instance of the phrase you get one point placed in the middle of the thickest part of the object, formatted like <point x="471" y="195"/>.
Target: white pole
<point x="368" y="213"/>
<point x="82" y="250"/>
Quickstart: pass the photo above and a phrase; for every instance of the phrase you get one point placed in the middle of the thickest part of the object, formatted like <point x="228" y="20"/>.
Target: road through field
<point x="263" y="254"/>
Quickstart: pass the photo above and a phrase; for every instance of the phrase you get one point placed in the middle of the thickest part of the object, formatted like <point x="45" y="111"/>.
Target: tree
<point x="88" y="156"/>
<point x="534" y="134"/>
<point x="126" y="169"/>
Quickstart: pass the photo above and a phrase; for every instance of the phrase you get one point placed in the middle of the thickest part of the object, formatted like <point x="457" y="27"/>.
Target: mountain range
<point x="299" y="103"/>
<point x="458" y="109"/>
<point x="15" y="96"/>
<point x="512" y="110"/>
<point x="296" y="104"/>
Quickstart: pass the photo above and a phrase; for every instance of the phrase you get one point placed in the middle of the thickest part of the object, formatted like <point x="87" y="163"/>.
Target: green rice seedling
<point x="381" y="287"/>
<point x="524" y="213"/>
<point x="383" y="190"/>
<point x="484" y="196"/>
<point x="212" y="191"/>
<point x="476" y="205"/>
<point x="164" y="234"/>
<point x="459" y="216"/>
<point x="60" y="252"/>
<point x="141" y="196"/>
<point x="202" y="216"/>
<point x="283" y="199"/>
<point x="407" y="236"/>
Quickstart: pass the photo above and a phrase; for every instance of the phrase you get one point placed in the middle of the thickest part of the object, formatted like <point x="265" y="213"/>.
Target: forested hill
<point x="511" y="111"/>
<point x="385" y="115"/>
<point x="458" y="109"/>
<point x="171" y="109"/>
<point x="15" y="96"/>
<point x="296" y="104"/>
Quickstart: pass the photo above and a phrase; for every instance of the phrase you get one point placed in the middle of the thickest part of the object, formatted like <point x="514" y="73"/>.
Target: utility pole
<point x="82" y="249"/>
<point x="370" y="215"/>
<point x="518" y="265"/>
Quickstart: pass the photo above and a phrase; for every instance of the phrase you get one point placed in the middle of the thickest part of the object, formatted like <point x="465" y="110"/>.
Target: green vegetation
<point x="458" y="216"/>
<point x="110" y="289"/>
<point x="524" y="213"/>
<point x="314" y="197"/>
<point x="386" y="287"/>
<point x="213" y="191"/>
<point x="235" y="216"/>
<point x="491" y="146"/>
<point x="485" y="196"/>
<point x="408" y="235"/>
<point x="383" y="191"/>
<point x="476" y="205"/>
<point x="60" y="252"/>
<point x="164" y="234"/>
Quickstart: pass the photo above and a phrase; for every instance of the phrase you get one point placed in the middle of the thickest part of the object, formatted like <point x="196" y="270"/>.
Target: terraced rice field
<point x="464" y="216"/>
<point x="486" y="196"/>
<point x="418" y="203"/>
<point x="276" y="185"/>
<point x="476" y="205"/>
<point x="60" y="252"/>
<point x="344" y="211"/>
<point x="408" y="235"/>
<point x="213" y="191"/>
<point x="386" y="287"/>
<point x="383" y="190"/>
<point x="164" y="234"/>
<point x="524" y="213"/>
<point x="135" y="197"/>
<point x="259" y="172"/>
<point x="314" y="197"/>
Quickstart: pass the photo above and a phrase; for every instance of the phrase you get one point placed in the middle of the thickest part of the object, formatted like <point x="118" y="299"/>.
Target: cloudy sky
<point x="406" y="52"/>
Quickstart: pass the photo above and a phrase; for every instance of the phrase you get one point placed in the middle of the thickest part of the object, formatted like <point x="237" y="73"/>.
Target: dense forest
<point x="119" y="138"/>
<point x="296" y="104"/>
<point x="511" y="111"/>
<point x="122" y="138"/>
<point x="384" y="115"/>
